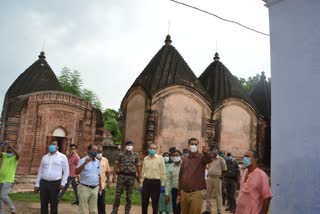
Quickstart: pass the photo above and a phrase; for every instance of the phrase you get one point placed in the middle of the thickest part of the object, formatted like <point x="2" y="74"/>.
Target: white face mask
<point x="99" y="155"/>
<point x="193" y="148"/>
<point x="129" y="148"/>
<point x="166" y="159"/>
<point x="176" y="159"/>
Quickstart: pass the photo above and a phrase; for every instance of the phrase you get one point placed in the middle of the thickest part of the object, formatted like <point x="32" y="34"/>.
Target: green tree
<point x="250" y="83"/>
<point x="111" y="123"/>
<point x="71" y="82"/>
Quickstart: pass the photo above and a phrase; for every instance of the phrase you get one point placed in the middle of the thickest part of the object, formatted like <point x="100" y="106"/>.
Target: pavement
<point x="66" y="208"/>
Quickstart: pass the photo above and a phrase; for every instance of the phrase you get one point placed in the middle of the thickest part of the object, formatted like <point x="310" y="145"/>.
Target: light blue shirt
<point x="90" y="173"/>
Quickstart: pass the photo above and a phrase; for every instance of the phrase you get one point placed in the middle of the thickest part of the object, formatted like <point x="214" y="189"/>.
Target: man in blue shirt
<point x="90" y="184"/>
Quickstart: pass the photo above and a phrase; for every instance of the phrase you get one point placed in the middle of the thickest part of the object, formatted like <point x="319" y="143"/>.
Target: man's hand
<point x="178" y="199"/>
<point x="61" y="187"/>
<point x="162" y="189"/>
<point x="167" y="199"/>
<point x="88" y="159"/>
<point x="205" y="148"/>
<point x="36" y="189"/>
<point x="140" y="189"/>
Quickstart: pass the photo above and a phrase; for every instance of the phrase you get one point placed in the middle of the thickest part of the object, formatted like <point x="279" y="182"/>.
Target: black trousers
<point x="176" y="207"/>
<point x="102" y="202"/>
<point x="150" y="188"/>
<point x="231" y="186"/>
<point x="49" y="191"/>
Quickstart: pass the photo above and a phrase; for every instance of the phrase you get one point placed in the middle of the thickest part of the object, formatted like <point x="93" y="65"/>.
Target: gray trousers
<point x="4" y="197"/>
<point x="72" y="181"/>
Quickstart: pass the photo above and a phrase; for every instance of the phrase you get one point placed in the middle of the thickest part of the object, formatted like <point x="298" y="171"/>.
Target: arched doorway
<point x="60" y="135"/>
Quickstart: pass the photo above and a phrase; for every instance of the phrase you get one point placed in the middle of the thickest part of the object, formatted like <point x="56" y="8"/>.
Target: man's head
<point x="193" y="145"/>
<point x="214" y="152"/>
<point x="53" y="146"/>
<point x="229" y="156"/>
<point x="100" y="148"/>
<point x="250" y="158"/>
<point x="185" y="152"/>
<point x="129" y="146"/>
<point x="152" y="149"/>
<point x="166" y="157"/>
<point x="92" y="150"/>
<point x="176" y="156"/>
<point x="73" y="148"/>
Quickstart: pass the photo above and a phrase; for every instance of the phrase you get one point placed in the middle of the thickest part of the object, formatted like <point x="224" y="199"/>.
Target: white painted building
<point x="295" y="68"/>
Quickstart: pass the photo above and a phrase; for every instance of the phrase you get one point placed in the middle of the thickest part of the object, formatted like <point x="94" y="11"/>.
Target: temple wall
<point x="32" y="128"/>
<point x="181" y="114"/>
<point x="134" y="127"/>
<point x="238" y="129"/>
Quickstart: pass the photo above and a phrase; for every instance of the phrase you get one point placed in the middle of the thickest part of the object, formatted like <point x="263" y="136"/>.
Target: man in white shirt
<point x="52" y="177"/>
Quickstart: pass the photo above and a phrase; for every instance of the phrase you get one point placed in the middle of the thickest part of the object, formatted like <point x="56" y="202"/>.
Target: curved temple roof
<point x="221" y="84"/>
<point x="38" y="77"/>
<point x="167" y="68"/>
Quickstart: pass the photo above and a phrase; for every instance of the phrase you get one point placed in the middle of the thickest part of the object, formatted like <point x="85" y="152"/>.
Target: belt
<point x="192" y="190"/>
<point x="92" y="187"/>
<point x="51" y="181"/>
<point x="148" y="179"/>
<point x="128" y="174"/>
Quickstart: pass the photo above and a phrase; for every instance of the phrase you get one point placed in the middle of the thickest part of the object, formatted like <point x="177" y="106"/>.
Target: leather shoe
<point x="75" y="203"/>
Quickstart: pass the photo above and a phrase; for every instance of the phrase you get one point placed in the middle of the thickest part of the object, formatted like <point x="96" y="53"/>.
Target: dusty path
<point x="66" y="208"/>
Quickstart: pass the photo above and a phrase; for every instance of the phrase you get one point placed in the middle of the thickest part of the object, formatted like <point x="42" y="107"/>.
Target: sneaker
<point x="75" y="203"/>
<point x="206" y="212"/>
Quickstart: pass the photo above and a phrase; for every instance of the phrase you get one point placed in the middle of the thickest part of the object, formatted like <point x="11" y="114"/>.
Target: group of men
<point x="90" y="175"/>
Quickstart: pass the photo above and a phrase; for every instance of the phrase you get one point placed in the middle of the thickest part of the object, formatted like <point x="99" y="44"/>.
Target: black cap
<point x="128" y="142"/>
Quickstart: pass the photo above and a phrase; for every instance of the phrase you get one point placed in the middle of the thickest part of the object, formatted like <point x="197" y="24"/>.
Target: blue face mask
<point x="9" y="154"/>
<point x="52" y="148"/>
<point x="229" y="157"/>
<point x="152" y="152"/>
<point x="93" y="153"/>
<point x="246" y="161"/>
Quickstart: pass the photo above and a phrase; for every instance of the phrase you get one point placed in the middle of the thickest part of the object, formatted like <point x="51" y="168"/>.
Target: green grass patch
<point x="69" y="197"/>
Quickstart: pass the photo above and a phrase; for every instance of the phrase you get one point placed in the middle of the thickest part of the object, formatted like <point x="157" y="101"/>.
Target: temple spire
<point x="168" y="40"/>
<point x="42" y="56"/>
<point x="216" y="57"/>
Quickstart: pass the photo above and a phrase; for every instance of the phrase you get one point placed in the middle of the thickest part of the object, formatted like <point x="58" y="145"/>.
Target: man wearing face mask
<point x="153" y="179"/>
<point x="231" y="179"/>
<point x="52" y="177"/>
<point x="192" y="178"/>
<point x="216" y="169"/>
<point x="73" y="162"/>
<point x="90" y="182"/>
<point x="128" y="169"/>
<point x="7" y="172"/>
<point x="255" y="194"/>
<point x="105" y="180"/>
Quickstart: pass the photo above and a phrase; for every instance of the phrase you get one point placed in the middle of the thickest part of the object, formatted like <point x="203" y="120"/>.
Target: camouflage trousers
<point x="126" y="183"/>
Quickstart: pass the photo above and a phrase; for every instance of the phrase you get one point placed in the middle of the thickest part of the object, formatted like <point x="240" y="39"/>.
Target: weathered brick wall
<point x="33" y="126"/>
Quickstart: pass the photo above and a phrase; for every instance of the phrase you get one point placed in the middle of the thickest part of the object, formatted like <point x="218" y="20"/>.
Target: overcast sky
<point x="111" y="41"/>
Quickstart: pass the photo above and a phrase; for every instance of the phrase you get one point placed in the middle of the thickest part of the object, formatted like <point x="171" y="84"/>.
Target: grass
<point x="69" y="197"/>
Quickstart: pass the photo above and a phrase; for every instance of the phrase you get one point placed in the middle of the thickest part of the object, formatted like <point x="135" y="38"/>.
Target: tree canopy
<point x="111" y="123"/>
<point x="71" y="82"/>
<point x="249" y="83"/>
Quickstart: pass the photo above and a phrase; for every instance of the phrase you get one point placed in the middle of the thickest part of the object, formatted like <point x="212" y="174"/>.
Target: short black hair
<point x="193" y="139"/>
<point x="185" y="150"/>
<point x="177" y="151"/>
<point x="73" y="145"/>
<point x="128" y="142"/>
<point x="165" y="153"/>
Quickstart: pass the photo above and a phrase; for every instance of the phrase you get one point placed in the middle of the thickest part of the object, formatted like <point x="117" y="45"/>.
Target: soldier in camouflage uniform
<point x="128" y="169"/>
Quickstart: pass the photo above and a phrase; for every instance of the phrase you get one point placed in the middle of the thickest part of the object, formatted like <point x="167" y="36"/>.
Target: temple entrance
<point x="60" y="135"/>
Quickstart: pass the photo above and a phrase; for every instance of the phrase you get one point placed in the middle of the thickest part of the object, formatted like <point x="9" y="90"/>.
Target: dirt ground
<point x="65" y="208"/>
